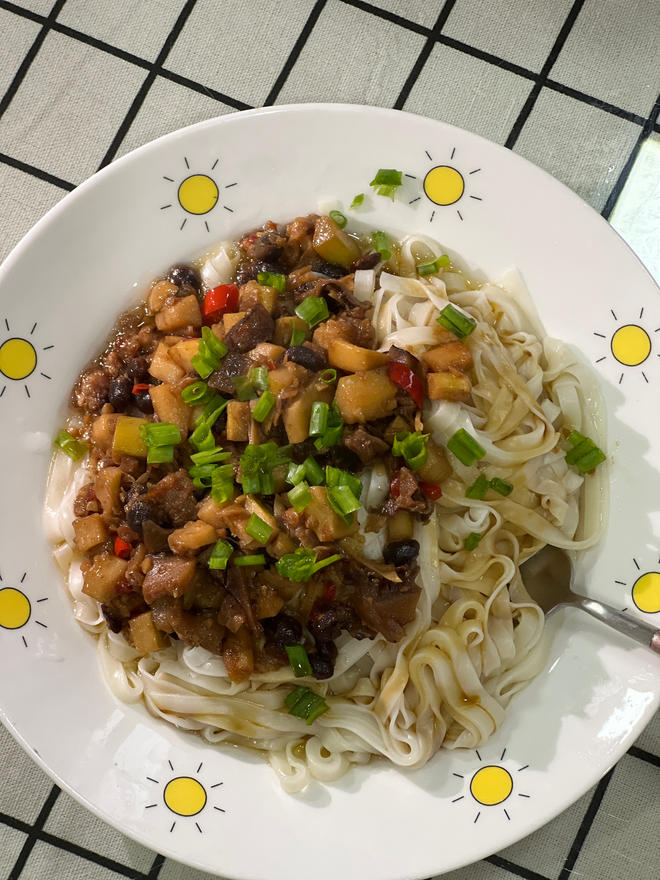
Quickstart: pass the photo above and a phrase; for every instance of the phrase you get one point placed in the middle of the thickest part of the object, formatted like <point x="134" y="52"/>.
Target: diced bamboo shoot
<point x="451" y="355"/>
<point x="266" y="352"/>
<point x="354" y="358"/>
<point x="365" y="396"/>
<point x="238" y="421"/>
<point x="183" y="352"/>
<point x="90" y="531"/>
<point x="162" y="366"/>
<point x="231" y="318"/>
<point x="253" y="293"/>
<point x="332" y="244"/>
<point x="106" y="488"/>
<point x="144" y="635"/>
<point x="169" y="407"/>
<point x="103" y="430"/>
<point x="191" y="537"/>
<point x="127" y="439"/>
<point x="101" y="579"/>
<point x="286" y="375"/>
<point x="400" y="526"/>
<point x="322" y="519"/>
<point x="449" y="386"/>
<point x="296" y="415"/>
<point x="179" y="312"/>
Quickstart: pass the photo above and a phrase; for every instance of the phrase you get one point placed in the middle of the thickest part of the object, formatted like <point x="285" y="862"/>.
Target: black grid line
<point x="643" y="755"/>
<point x="148" y="82"/>
<point x="21" y="73"/>
<point x="557" y="46"/>
<point x="390" y="16"/>
<point x="33" y="834"/>
<point x="158" y="863"/>
<point x="90" y="856"/>
<point x="298" y="46"/>
<point x="627" y="168"/>
<point x="585" y="826"/>
<point x="36" y="172"/>
<point x="513" y="868"/>
<point x="423" y="56"/>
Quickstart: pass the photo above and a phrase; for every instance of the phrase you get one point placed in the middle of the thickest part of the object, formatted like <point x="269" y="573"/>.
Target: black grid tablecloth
<point x="570" y="84"/>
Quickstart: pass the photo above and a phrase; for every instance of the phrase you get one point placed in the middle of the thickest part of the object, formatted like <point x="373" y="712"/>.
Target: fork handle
<point x="636" y="629"/>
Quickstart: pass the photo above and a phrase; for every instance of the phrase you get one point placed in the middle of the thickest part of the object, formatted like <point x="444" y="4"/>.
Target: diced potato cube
<point x="332" y="244"/>
<point x="322" y="519"/>
<point x="163" y="367"/>
<point x="100" y="580"/>
<point x="179" y="312"/>
<point x="354" y="358"/>
<point x="231" y="318"/>
<point x="127" y="439"/>
<point x="253" y="293"/>
<point x="449" y="386"/>
<point x="238" y="421"/>
<point x="264" y="352"/>
<point x="436" y="468"/>
<point x="284" y="329"/>
<point x="451" y="355"/>
<point x="103" y="430"/>
<point x="160" y="291"/>
<point x="296" y="415"/>
<point x="144" y="635"/>
<point x="106" y="488"/>
<point x="169" y="407"/>
<point x="282" y="545"/>
<point x="283" y="376"/>
<point x="400" y="526"/>
<point x="191" y="537"/>
<point x="90" y="531"/>
<point x="183" y="352"/>
<point x="365" y="396"/>
<point x="212" y="513"/>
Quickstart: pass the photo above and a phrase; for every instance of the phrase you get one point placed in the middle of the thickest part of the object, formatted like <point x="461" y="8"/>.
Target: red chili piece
<point x="122" y="548"/>
<point x="404" y="377"/>
<point x="140" y="387"/>
<point x="329" y="592"/>
<point x="395" y="490"/>
<point x="219" y="301"/>
<point x="431" y="490"/>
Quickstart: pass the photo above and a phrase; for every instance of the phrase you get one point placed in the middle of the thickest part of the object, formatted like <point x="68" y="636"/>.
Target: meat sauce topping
<point x="227" y="430"/>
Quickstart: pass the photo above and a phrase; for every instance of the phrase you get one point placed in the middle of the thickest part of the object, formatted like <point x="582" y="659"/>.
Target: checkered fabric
<point x="570" y="84"/>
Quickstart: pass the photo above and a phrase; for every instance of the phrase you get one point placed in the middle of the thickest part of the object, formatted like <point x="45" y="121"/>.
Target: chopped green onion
<point x="478" y="489"/>
<point x="357" y="201"/>
<point x="220" y="556"/>
<point x="244" y="388"/>
<point x="273" y="279"/>
<point x="313" y="309"/>
<point x="255" y="559"/>
<point x="299" y="660"/>
<point x="300" y="496"/>
<point x="212" y="411"/>
<point x="202" y="475"/>
<point x="590" y="460"/>
<point x="215" y="347"/>
<point x="336" y="477"/>
<point x="382" y="244"/>
<point x="305" y="704"/>
<point x="160" y="434"/>
<point x="209" y="354"/>
<point x="585" y="455"/>
<point x="301" y="564"/>
<point x="160" y="454"/>
<point x="210" y="456"/>
<point x="203" y="366"/>
<point x="575" y="437"/>
<point x="258" y="529"/>
<point x="297" y="336"/>
<point x="501" y="486"/>
<point x="313" y="471"/>
<point x="386" y="182"/>
<point x="264" y="405"/>
<point x="459" y="324"/>
<point x="259" y="378"/>
<point x="412" y="448"/>
<point x="339" y="218"/>
<point x="343" y="502"/>
<point x="433" y="266"/>
<point x="472" y="541"/>
<point x="334" y="430"/>
<point x="257" y="464"/>
<point x="328" y="376"/>
<point x="222" y="483"/>
<point x="465" y="447"/>
<point x="296" y="473"/>
<point x="75" y="449"/>
<point x="318" y="420"/>
<point x="196" y="394"/>
<point x="202" y="438"/>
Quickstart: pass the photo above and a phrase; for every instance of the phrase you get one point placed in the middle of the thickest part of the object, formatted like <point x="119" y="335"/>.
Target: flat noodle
<point x="476" y="638"/>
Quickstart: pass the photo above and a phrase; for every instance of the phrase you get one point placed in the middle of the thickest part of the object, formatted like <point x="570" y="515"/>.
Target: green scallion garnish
<point x="264" y="405"/>
<point x="259" y="378"/>
<point x="412" y="448"/>
<point x="313" y="310"/>
<point x="257" y="464"/>
<point x="296" y="473"/>
<point x="343" y="502"/>
<point x="334" y="430"/>
<point x="318" y="420"/>
<point x="459" y="324"/>
<point x="299" y="660"/>
<point x="328" y="376"/>
<point x="472" y="541"/>
<point x="245" y="390"/>
<point x="305" y="704"/>
<point x="297" y="336"/>
<point x="465" y="447"/>
<point x="210" y="456"/>
<point x="160" y="434"/>
<point x="72" y="447"/>
<point x="336" y="477"/>
<point x="433" y="266"/>
<point x="258" y="529"/>
<point x="339" y="218"/>
<point x="222" y="483"/>
<point x="357" y="201"/>
<point x="209" y="354"/>
<point x="196" y="394"/>
<point x="313" y="471"/>
<point x="272" y="279"/>
<point x="502" y="487"/>
<point x="300" y="496"/>
<point x="478" y="489"/>
<point x="220" y="556"/>
<point x="381" y="243"/>
<point x="585" y="455"/>
<point x="254" y="559"/>
<point x="386" y="182"/>
<point x="300" y="565"/>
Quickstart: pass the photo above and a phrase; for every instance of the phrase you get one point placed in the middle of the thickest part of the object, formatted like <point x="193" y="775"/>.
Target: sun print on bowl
<point x="16" y="609"/>
<point x="19" y="358"/>
<point x="491" y="785"/>
<point x="630" y="344"/>
<point x="198" y="193"/>
<point x="446" y="185"/>
<point x="185" y="796"/>
<point x="644" y="589"/>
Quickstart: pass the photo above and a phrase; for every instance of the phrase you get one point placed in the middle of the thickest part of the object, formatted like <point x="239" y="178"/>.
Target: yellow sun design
<point x="445" y="185"/>
<point x="491" y="785"/>
<point x="16" y="609"/>
<point x="185" y="796"/>
<point x="630" y="344"/>
<point x="645" y="590"/>
<point x="19" y="359"/>
<point x="197" y="194"/>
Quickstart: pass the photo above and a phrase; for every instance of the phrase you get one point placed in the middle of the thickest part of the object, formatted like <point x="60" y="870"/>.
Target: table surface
<point x="571" y="85"/>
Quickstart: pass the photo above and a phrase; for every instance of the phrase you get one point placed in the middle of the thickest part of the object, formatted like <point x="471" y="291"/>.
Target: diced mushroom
<point x="144" y="635"/>
<point x="168" y="576"/>
<point x="158" y="294"/>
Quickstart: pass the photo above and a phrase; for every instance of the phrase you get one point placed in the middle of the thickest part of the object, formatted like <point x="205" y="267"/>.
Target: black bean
<point x="114" y="622"/>
<point x="142" y="399"/>
<point x="119" y="392"/>
<point x="330" y="270"/>
<point x="344" y="458"/>
<point x="286" y="630"/>
<point x="322" y="667"/>
<point x="181" y="275"/>
<point x="366" y="261"/>
<point x="138" y="512"/>
<point x="138" y="369"/>
<point x="310" y="358"/>
<point x="400" y="552"/>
